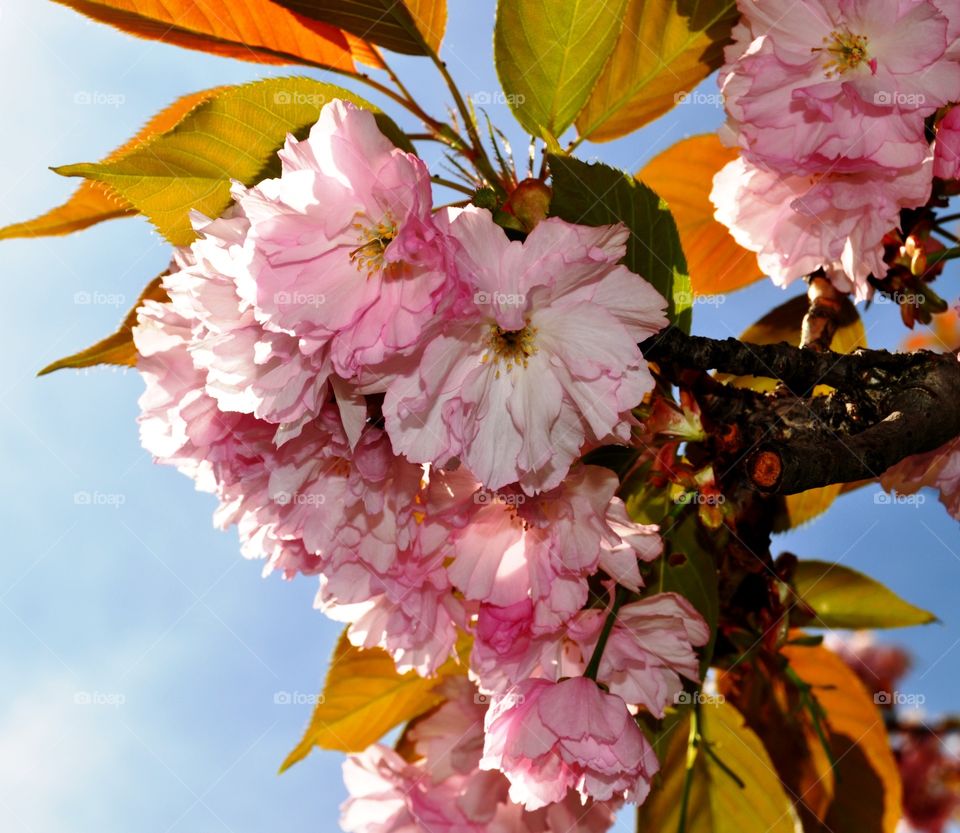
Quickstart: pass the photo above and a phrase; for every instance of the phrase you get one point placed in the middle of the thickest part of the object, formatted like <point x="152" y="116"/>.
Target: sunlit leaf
<point x="118" y="348"/>
<point x="683" y="176"/>
<point x="717" y="802"/>
<point x="412" y="27"/>
<point x="549" y="54"/>
<point x="844" y="598"/>
<point x="254" y="30"/>
<point x="93" y="202"/>
<point x="869" y="792"/>
<point x="232" y="136"/>
<point x="598" y="194"/>
<point x="664" y="50"/>
<point x="364" y="698"/>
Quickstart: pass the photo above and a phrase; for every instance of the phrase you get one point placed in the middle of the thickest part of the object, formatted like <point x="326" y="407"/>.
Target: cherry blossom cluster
<point x="832" y="104"/>
<point x="396" y="399"/>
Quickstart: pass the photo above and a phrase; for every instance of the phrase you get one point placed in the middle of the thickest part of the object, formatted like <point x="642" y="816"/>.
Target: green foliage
<point x="232" y="136"/>
<point x="844" y="598"/>
<point x="549" y="55"/>
<point x="598" y="195"/>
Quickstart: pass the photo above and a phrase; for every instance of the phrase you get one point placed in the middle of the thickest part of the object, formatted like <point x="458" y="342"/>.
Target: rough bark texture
<point x="886" y="406"/>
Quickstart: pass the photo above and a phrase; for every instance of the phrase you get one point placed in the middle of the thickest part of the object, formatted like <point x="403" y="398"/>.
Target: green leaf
<point x="549" y="54"/>
<point x="597" y="195"/>
<point x="233" y="136"/>
<point x="364" y="698"/>
<point x="387" y="23"/>
<point x="118" y="348"/>
<point x="844" y="598"/>
<point x="733" y="790"/>
<point x="664" y="50"/>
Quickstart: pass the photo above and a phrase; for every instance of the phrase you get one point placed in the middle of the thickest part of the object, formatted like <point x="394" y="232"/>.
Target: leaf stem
<point x="693" y="750"/>
<point x="455" y="186"/>
<point x="594" y="665"/>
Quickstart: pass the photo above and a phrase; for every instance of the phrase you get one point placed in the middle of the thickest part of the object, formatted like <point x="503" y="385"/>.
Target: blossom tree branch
<point x="886" y="406"/>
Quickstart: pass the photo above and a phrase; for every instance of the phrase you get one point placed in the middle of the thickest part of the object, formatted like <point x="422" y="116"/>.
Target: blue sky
<point x="144" y="657"/>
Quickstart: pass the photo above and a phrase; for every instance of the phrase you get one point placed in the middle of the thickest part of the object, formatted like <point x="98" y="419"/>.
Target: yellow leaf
<point x="254" y="30"/>
<point x="431" y="19"/>
<point x="364" y="698"/>
<point x="717" y="803"/>
<point x="869" y="793"/>
<point x="93" y="202"/>
<point x="234" y="135"/>
<point x="683" y="176"/>
<point x="118" y="348"/>
<point x="664" y="50"/>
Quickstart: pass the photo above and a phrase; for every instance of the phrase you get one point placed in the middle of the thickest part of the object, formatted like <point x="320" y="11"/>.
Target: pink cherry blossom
<point x="650" y="647"/>
<point x="347" y="255"/>
<point x="821" y="86"/>
<point x="443" y="791"/>
<point x="538" y="357"/>
<point x="946" y="158"/>
<point x="548" y="738"/>
<point x="938" y="469"/>
<point x="798" y="224"/>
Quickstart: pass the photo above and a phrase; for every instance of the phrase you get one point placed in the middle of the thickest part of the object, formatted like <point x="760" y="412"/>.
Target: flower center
<point x="843" y="51"/>
<point x="515" y="347"/>
<point x="374" y="239"/>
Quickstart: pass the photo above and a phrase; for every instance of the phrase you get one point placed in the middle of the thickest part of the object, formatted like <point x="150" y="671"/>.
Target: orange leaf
<point x="93" y="202"/>
<point x="683" y="176"/>
<point x="431" y="19"/>
<point x="869" y="793"/>
<point x="254" y="30"/>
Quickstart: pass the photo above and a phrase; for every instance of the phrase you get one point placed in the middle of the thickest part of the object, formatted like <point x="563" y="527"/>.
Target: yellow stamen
<point x="844" y="51"/>
<point x="374" y="239"/>
<point x="513" y="347"/>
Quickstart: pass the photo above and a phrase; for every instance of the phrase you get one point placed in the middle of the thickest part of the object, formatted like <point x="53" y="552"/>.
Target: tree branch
<point x="886" y="406"/>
